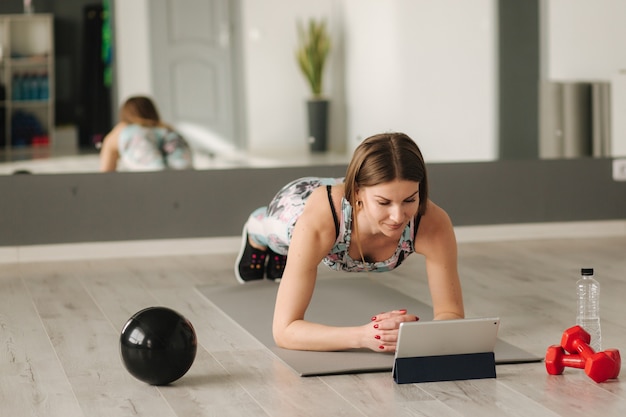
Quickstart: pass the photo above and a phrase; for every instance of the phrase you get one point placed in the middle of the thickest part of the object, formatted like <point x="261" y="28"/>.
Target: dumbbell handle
<point x="576" y="340"/>
<point x="583" y="349"/>
<point x="557" y="360"/>
<point x="577" y="361"/>
<point x="573" y="361"/>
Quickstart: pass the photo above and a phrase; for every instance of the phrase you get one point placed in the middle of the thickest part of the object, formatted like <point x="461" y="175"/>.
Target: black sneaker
<point x="250" y="264"/>
<point x="275" y="265"/>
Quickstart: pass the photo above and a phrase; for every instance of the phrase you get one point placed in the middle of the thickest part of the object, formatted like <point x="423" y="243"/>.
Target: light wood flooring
<point x="60" y="324"/>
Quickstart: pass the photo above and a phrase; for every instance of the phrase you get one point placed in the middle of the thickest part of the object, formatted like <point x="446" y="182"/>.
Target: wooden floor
<point x="60" y="324"/>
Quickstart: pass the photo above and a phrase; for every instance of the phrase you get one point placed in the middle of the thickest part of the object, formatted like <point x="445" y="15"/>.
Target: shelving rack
<point x="26" y="81"/>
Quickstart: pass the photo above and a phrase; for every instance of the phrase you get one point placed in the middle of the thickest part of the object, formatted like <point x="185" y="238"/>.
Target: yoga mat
<point x="338" y="302"/>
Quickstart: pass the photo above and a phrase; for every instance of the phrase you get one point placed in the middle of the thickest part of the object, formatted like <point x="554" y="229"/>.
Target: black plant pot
<point x="317" y="110"/>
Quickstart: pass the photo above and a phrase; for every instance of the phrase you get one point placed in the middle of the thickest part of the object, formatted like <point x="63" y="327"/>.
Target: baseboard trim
<point x="217" y="245"/>
<point x="121" y="249"/>
<point x="530" y="231"/>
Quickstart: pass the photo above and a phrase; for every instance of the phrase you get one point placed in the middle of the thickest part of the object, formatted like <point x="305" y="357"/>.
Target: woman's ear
<point x="358" y="198"/>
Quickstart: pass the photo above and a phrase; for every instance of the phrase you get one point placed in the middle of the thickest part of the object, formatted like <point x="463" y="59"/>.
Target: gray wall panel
<point x="518" y="78"/>
<point x="130" y="206"/>
<point x="528" y="191"/>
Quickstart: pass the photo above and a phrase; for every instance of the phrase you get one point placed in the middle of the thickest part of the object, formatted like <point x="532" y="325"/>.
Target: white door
<point x="192" y="60"/>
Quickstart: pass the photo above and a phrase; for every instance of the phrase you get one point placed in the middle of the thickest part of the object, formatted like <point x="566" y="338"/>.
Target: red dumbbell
<point x="598" y="365"/>
<point x="557" y="360"/>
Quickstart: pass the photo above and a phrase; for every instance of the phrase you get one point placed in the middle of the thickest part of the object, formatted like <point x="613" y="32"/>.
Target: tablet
<point x="447" y="337"/>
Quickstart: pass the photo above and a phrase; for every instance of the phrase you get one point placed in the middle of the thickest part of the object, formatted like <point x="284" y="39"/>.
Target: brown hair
<point x="383" y="158"/>
<point x="140" y="110"/>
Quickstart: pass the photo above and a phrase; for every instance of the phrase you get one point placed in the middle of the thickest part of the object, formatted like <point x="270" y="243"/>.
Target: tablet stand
<point x="444" y="368"/>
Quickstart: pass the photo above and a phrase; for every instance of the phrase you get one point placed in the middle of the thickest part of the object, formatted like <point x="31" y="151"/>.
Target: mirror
<point x="448" y="93"/>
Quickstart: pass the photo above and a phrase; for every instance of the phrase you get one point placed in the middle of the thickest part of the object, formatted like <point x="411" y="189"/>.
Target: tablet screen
<point x="447" y="337"/>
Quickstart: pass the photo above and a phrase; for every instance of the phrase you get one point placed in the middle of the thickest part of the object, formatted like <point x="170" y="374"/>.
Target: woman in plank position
<point x="371" y="220"/>
<point x="141" y="141"/>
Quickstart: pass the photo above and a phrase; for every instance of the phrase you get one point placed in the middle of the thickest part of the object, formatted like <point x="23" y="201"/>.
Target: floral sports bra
<point x="338" y="257"/>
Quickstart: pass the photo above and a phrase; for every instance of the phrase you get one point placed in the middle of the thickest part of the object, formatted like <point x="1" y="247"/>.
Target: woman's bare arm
<point x="109" y="152"/>
<point x="437" y="242"/>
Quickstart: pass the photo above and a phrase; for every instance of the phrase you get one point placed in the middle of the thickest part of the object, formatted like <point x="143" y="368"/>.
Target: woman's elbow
<point x="280" y="338"/>
<point x="285" y="338"/>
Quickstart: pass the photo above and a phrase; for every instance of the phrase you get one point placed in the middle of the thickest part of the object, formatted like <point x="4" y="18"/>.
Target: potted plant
<point x="313" y="48"/>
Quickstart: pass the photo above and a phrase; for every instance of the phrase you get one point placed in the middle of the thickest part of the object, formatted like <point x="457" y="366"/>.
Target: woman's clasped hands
<point x="381" y="334"/>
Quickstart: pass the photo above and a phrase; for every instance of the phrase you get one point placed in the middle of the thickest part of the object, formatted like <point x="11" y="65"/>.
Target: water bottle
<point x="589" y="307"/>
<point x="44" y="92"/>
<point x="25" y="91"/>
<point x="34" y="86"/>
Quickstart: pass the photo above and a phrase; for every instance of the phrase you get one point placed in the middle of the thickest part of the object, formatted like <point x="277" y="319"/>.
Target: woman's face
<point x="388" y="207"/>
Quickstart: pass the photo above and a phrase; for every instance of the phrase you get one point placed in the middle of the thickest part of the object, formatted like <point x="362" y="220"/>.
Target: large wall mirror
<point x="462" y="78"/>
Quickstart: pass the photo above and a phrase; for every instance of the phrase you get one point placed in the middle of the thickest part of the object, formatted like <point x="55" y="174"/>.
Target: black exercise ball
<point x="158" y="345"/>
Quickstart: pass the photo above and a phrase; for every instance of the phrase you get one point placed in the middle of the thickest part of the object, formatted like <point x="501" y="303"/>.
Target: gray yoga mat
<point x="339" y="302"/>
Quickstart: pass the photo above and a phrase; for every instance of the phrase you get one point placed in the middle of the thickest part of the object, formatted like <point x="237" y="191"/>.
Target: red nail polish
<point x="377" y="337"/>
<point x="381" y="347"/>
<point x="374" y="318"/>
<point x="376" y="326"/>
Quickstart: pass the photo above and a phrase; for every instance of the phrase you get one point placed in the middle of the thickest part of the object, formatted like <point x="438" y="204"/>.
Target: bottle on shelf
<point x="34" y="86"/>
<point x="588" y="316"/>
<point x="44" y="92"/>
<point x="27" y="86"/>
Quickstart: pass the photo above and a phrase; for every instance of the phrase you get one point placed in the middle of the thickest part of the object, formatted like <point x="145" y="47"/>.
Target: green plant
<point x="313" y="49"/>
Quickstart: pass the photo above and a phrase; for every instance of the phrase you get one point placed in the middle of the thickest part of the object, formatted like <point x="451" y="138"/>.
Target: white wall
<point x="275" y="90"/>
<point x="427" y="68"/>
<point x="419" y="66"/>
<point x="132" y="51"/>
<point x="423" y="67"/>
<point x="586" y="40"/>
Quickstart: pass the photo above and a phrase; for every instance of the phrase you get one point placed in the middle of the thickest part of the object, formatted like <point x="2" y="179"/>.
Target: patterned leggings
<point x="273" y="225"/>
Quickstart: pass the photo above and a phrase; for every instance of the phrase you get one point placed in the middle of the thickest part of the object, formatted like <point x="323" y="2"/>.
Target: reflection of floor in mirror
<point x="56" y="165"/>
<point x="39" y="161"/>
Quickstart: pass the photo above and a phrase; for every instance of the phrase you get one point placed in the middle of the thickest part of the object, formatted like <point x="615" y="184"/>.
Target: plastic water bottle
<point x="44" y="92"/>
<point x="589" y="307"/>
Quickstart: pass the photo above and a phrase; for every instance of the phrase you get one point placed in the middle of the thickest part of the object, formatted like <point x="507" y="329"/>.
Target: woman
<point x="142" y="142"/>
<point x="369" y="221"/>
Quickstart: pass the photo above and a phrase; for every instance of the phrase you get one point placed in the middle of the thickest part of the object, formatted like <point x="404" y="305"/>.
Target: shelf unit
<point x="27" y="81"/>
